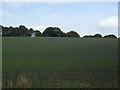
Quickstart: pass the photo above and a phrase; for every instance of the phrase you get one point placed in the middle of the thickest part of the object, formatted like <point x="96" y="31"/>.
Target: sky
<point x="86" y="18"/>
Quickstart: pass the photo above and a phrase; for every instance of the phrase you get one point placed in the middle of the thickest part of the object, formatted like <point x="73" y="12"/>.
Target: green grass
<point x="71" y="61"/>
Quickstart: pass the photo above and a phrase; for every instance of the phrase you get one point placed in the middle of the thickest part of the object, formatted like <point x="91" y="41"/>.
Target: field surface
<point x="60" y="62"/>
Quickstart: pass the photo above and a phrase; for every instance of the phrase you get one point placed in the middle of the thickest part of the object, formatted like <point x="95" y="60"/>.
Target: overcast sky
<point x="86" y="18"/>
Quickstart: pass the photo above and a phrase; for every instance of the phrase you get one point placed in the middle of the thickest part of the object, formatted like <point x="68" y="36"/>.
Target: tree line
<point x="22" y="31"/>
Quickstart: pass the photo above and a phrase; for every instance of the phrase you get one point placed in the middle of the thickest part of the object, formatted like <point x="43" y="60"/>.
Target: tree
<point x="110" y="36"/>
<point x="30" y="31"/>
<point x="13" y="31"/>
<point x="72" y="34"/>
<point x="49" y="32"/>
<point x="37" y="33"/>
<point x="59" y="32"/>
<point x="53" y="32"/>
<point x="4" y="31"/>
<point x="88" y="36"/>
<point x="23" y="31"/>
<point x="1" y="30"/>
<point x="16" y="31"/>
<point x="98" y="36"/>
<point x="93" y="36"/>
<point x="8" y="31"/>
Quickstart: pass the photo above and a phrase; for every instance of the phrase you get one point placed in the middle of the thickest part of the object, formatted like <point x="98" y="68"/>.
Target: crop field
<point x="44" y="62"/>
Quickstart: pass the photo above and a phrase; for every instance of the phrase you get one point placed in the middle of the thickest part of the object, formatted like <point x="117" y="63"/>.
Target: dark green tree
<point x="53" y="32"/>
<point x="93" y="36"/>
<point x="37" y="33"/>
<point x="88" y="36"/>
<point x="72" y="34"/>
<point x="98" y="36"/>
<point x="110" y="36"/>
<point x="8" y="31"/>
<point x="1" y="30"/>
<point x="23" y="31"/>
<point x="30" y="31"/>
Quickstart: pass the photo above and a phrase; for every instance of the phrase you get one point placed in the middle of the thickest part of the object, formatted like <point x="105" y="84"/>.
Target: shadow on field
<point x="68" y="79"/>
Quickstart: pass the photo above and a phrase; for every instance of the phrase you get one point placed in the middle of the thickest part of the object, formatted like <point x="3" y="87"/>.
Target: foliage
<point x="98" y="35"/>
<point x="110" y="36"/>
<point x="37" y="33"/>
<point x="22" y="31"/>
<point x="53" y="32"/>
<point x="72" y="34"/>
<point x="93" y="36"/>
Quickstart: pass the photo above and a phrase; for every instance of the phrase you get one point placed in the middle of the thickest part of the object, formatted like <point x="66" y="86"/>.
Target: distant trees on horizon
<point x="22" y="31"/>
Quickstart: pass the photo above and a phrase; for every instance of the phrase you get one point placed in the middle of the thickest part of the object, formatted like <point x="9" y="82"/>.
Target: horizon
<point x="59" y="28"/>
<point x="86" y="18"/>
